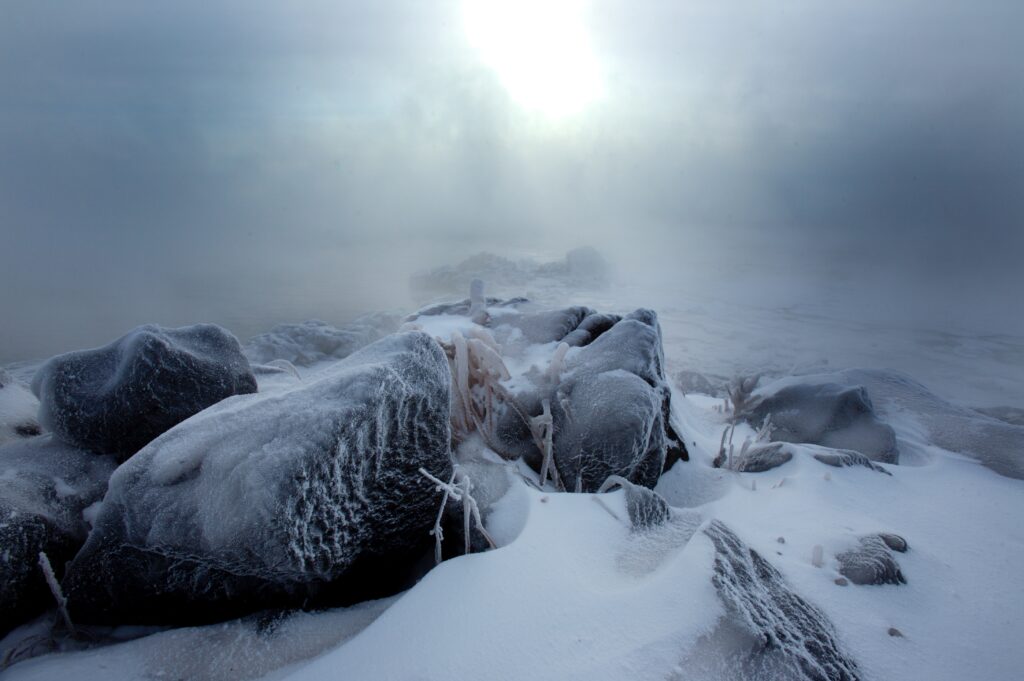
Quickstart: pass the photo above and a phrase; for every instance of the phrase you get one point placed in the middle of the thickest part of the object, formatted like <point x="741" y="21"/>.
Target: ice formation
<point x="310" y="495"/>
<point x="116" y="399"/>
<point x="45" y="485"/>
<point x="313" y="341"/>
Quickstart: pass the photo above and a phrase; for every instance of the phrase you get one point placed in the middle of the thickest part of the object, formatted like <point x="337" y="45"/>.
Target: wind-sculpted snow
<point x="117" y="398"/>
<point x="872" y="562"/>
<point x="310" y="495"/>
<point x="18" y="409"/>
<point x="793" y="639"/>
<point x="839" y="416"/>
<point x="314" y="341"/>
<point x="44" y="487"/>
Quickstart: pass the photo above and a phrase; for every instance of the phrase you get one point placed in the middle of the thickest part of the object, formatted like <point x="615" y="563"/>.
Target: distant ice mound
<point x="18" y="410"/>
<point x="313" y="341"/>
<point x="310" y="495"/>
<point x="44" y="487"/>
<point x="117" y="398"/>
<point x="581" y="267"/>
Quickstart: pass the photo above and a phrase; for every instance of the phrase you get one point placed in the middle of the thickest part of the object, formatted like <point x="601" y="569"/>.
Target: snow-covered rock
<point x="45" y="485"/>
<point x="872" y="562"/>
<point x="836" y="415"/>
<point x="18" y="409"/>
<point x="117" y="398"/>
<point x="309" y="495"/>
<point x="786" y="637"/>
<point x="760" y="458"/>
<point x="313" y="341"/>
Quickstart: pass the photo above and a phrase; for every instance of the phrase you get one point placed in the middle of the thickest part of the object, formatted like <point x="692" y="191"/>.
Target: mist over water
<point x="248" y="164"/>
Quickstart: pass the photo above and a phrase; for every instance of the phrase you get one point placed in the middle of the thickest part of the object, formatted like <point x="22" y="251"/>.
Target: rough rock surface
<point x="872" y="562"/>
<point x="760" y="458"/>
<point x="828" y="414"/>
<point x="117" y="398"/>
<point x="314" y="341"/>
<point x="18" y="409"/>
<point x="44" y="487"/>
<point x="842" y="458"/>
<point x="308" y="496"/>
<point x="792" y="638"/>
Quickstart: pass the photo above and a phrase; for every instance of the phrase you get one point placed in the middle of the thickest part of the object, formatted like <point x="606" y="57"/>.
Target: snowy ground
<point x="572" y="594"/>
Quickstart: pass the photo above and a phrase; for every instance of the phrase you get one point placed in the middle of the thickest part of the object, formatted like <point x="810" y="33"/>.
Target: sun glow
<point x="539" y="50"/>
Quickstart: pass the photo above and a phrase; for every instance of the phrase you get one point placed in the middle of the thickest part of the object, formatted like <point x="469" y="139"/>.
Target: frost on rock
<point x="314" y="341"/>
<point x="760" y="458"/>
<point x="842" y="458"/>
<point x="872" y="562"/>
<point x="828" y="414"/>
<point x="785" y="636"/>
<point x="44" y="487"/>
<point x="117" y="398"/>
<point x="308" y="496"/>
<point x="18" y="409"/>
<point x="646" y="508"/>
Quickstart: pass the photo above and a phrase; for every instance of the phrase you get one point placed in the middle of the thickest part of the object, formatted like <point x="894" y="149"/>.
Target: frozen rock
<point x="611" y="408"/>
<point x="18" y="409"/>
<point x="842" y="458"/>
<point x="44" y="487"/>
<point x="314" y="341"/>
<point x="786" y="637"/>
<point x="308" y="496"/>
<point x="462" y="307"/>
<point x="828" y="414"/>
<point x="117" y="398"/>
<point x="872" y="562"/>
<point x="760" y="458"/>
<point x="646" y="508"/>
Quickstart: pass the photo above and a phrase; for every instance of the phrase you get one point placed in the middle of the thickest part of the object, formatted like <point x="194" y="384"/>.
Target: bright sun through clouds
<point x="539" y="49"/>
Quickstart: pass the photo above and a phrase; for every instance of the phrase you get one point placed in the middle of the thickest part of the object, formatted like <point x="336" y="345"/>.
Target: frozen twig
<point x="58" y="595"/>
<point x="458" y="489"/>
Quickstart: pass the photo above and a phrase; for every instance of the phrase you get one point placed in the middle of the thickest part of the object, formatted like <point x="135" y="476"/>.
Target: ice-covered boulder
<point x="18" y="409"/>
<point x="872" y="562"/>
<point x="611" y="408"/>
<point x="760" y="458"/>
<point x="833" y="415"/>
<point x="117" y="398"/>
<point x="314" y="341"/>
<point x="45" y="485"/>
<point x="773" y="632"/>
<point x="306" y="496"/>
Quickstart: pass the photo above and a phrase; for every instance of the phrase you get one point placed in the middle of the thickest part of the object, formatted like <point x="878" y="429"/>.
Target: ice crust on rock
<point x="18" y="410"/>
<point x="117" y="398"/>
<point x="761" y="457"/>
<point x="835" y="415"/>
<point x="44" y="487"/>
<point x="310" y="495"/>
<point x="872" y="562"/>
<point x="792" y="639"/>
<point x="313" y="341"/>
<point x="843" y="458"/>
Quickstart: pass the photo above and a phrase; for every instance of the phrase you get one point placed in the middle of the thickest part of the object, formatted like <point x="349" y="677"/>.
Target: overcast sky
<point x="217" y="160"/>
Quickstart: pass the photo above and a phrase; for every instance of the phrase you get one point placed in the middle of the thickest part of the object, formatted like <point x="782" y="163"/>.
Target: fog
<point x="254" y="162"/>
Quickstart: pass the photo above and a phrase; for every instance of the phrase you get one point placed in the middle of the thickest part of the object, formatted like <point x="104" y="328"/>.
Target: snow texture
<point x="310" y="495"/>
<point x="18" y="409"/>
<point x="834" y="415"/>
<point x="313" y="341"/>
<point x="117" y="398"/>
<point x="44" y="487"/>
<point x="872" y="562"/>
<point x="794" y="639"/>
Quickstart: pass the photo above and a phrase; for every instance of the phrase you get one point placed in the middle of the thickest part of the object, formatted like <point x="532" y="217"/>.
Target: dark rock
<point x="461" y="307"/>
<point x="894" y="541"/>
<point x="304" y="497"/>
<point x="793" y="639"/>
<point x="841" y="581"/>
<point x="827" y="414"/>
<point x="44" y="487"/>
<point x="893" y="631"/>
<point x="117" y="398"/>
<point x="646" y="508"/>
<point x="841" y="458"/>
<point x="761" y="458"/>
<point x="871" y="562"/>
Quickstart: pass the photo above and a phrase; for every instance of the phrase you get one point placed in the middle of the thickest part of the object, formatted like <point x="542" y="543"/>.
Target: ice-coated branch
<point x="459" y="489"/>
<point x="58" y="595"/>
